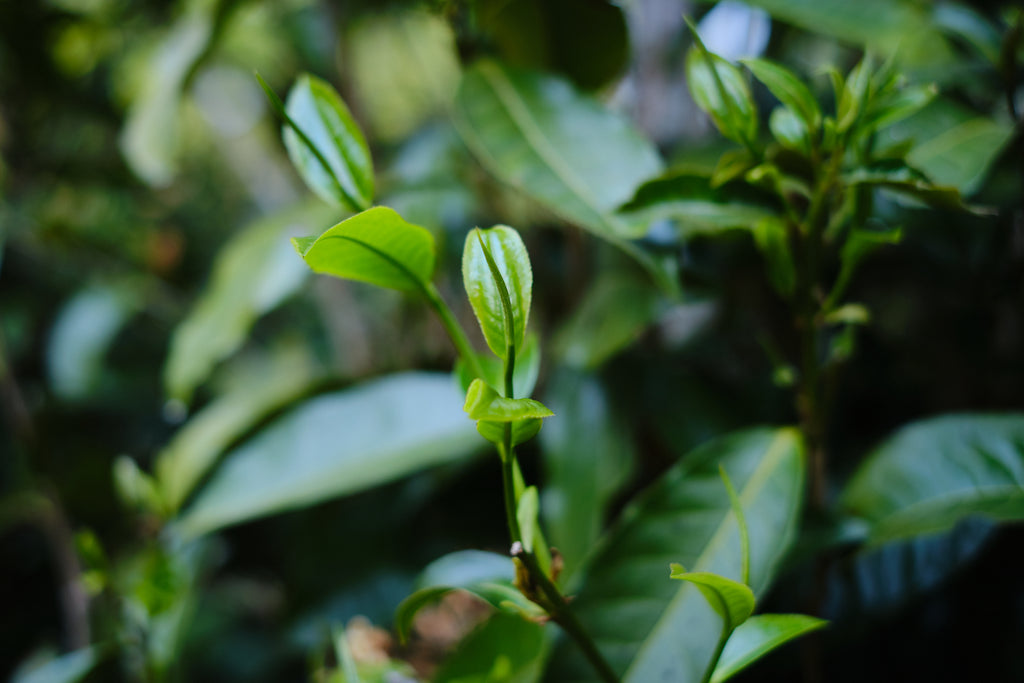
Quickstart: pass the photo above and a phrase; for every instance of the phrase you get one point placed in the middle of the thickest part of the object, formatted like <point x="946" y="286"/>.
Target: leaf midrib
<point x="753" y="486"/>
<point x="520" y="115"/>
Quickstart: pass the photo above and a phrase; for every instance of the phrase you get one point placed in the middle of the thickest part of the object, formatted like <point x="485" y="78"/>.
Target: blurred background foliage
<point x="154" y="319"/>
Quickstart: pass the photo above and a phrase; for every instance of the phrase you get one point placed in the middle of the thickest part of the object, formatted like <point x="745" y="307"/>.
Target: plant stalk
<point x="453" y="328"/>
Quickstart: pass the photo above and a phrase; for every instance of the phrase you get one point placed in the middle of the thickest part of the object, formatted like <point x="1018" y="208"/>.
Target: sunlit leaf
<point x="320" y="131"/>
<point x="484" y="403"/>
<point x="376" y="246"/>
<point x="495" y="265"/>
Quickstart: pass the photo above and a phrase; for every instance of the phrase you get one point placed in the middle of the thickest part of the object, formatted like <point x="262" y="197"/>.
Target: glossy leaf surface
<point x="376" y="246"/>
<point x="336" y="444"/>
<point x="758" y="636"/>
<point x="651" y="628"/>
<point x="316" y="109"/>
<point x="508" y="257"/>
<point x="484" y="403"/>
<point x="720" y="90"/>
<point x="933" y="473"/>
<point x="731" y="600"/>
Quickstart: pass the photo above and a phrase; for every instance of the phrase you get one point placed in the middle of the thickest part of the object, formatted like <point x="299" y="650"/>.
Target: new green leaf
<point x="326" y="146"/>
<point x="720" y="90"/>
<point x="731" y="600"/>
<point x="376" y="246"/>
<point x="758" y="636"/>
<point x="484" y="403"/>
<point x="499" y="282"/>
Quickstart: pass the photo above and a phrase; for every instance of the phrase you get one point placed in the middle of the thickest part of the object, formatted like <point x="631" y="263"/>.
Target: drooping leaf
<point x="720" y="90"/>
<point x="488" y="576"/>
<point x="336" y="444"/>
<point x="326" y="146"/>
<point x="788" y="88"/>
<point x="563" y="149"/>
<point x="484" y="403"/>
<point x="758" y="636"/>
<point x="905" y="181"/>
<point x="859" y="244"/>
<point x="376" y="246"/>
<point x="652" y="629"/>
<point x="935" y="472"/>
<point x="588" y="457"/>
<point x="254" y="272"/>
<point x="732" y="601"/>
<point x="194" y="449"/>
<point x="495" y="265"/>
<point x="505" y="648"/>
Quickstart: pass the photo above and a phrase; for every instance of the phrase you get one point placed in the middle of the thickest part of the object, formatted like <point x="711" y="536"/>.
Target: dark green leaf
<point x="588" y="457"/>
<point x="614" y="313"/>
<point x="496" y="267"/>
<point x="563" y="149"/>
<point x="906" y="181"/>
<point x="545" y="35"/>
<point x="772" y="240"/>
<point x="933" y="473"/>
<point x="484" y="403"/>
<point x="960" y="156"/>
<point x="336" y="444"/>
<point x="652" y="629"/>
<point x="859" y="244"/>
<point x="732" y="165"/>
<point x="720" y="90"/>
<point x="506" y="648"/>
<point x="321" y="132"/>
<point x="757" y="637"/>
<point x="254" y="272"/>
<point x="899" y="105"/>
<point x="731" y="600"/>
<point x="375" y="246"/>
<point x="788" y="88"/>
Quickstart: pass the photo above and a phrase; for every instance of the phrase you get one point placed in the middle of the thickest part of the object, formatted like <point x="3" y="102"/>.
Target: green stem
<point x="454" y="329"/>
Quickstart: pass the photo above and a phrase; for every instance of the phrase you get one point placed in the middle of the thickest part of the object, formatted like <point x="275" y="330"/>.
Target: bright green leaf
<point x="336" y="444"/>
<point x="524" y="378"/>
<point x="376" y="246"/>
<point x="788" y="88"/>
<point x="496" y="266"/>
<point x="720" y="90"/>
<point x="758" y="636"/>
<point x="653" y="629"/>
<point x="320" y="131"/>
<point x="522" y="430"/>
<point x="484" y="403"/>
<point x="935" y="472"/>
<point x="731" y="600"/>
<point x="772" y="240"/>
<point x="789" y="130"/>
<point x="526" y="514"/>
